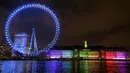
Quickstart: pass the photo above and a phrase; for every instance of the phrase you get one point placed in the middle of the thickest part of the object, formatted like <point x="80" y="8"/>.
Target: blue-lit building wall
<point x="20" y="42"/>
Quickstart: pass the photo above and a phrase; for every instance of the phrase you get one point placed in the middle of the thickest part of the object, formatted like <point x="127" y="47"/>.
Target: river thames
<point x="64" y="66"/>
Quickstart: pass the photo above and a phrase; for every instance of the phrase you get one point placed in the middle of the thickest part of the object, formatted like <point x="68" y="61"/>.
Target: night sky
<point x="97" y="21"/>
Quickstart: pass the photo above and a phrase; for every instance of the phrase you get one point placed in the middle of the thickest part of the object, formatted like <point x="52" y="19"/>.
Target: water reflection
<point x="52" y="66"/>
<point x="13" y="66"/>
<point x="116" y="66"/>
<point x="57" y="66"/>
<point x="67" y="67"/>
<point x="89" y="66"/>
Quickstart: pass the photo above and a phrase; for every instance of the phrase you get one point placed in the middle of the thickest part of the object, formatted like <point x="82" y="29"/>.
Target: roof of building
<point x="89" y="47"/>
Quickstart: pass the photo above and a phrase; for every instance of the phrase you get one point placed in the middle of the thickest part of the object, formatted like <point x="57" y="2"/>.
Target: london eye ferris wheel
<point x="27" y="6"/>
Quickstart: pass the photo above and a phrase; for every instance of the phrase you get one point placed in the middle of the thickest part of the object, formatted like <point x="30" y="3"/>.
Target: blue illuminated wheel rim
<point x="33" y="5"/>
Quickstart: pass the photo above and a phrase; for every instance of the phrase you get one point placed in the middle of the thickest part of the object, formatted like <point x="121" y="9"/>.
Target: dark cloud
<point x="95" y="25"/>
<point x="2" y="22"/>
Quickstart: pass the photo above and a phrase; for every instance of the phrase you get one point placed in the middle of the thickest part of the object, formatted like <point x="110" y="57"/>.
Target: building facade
<point x="90" y="52"/>
<point x="20" y="43"/>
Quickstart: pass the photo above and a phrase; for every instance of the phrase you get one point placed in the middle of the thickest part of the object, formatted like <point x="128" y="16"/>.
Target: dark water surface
<point x="57" y="66"/>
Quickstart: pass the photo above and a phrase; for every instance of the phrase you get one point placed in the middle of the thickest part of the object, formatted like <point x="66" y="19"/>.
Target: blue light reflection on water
<point x="57" y="66"/>
<point x="13" y="66"/>
<point x="52" y="66"/>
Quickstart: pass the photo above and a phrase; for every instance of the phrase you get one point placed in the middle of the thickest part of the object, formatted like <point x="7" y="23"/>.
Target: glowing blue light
<point x="33" y="5"/>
